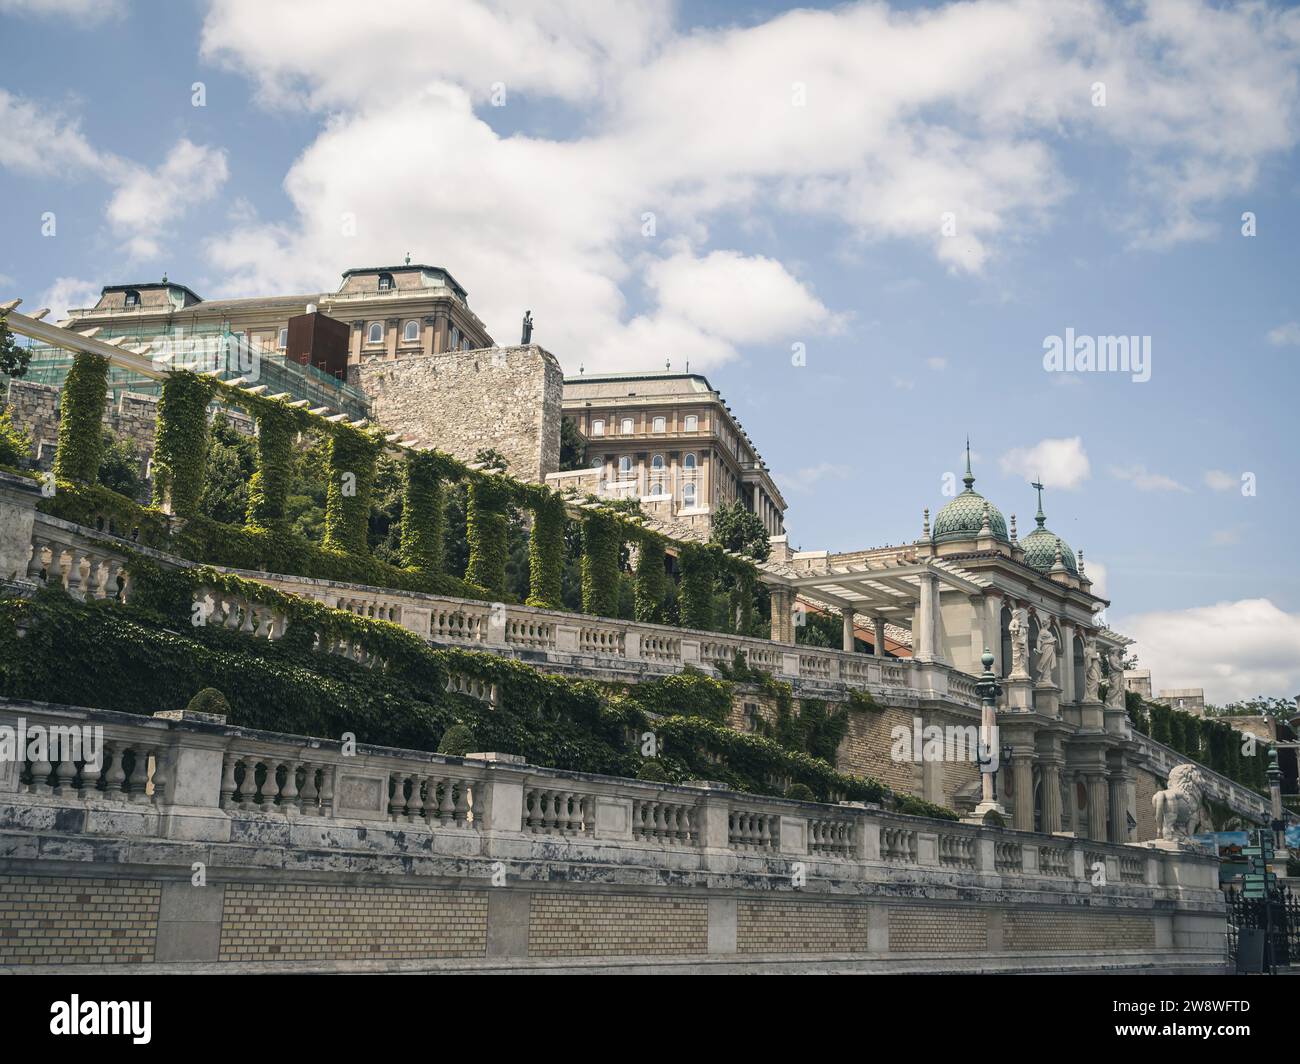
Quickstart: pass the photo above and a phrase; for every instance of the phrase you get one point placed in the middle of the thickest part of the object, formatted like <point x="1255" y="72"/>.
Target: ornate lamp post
<point x="989" y="750"/>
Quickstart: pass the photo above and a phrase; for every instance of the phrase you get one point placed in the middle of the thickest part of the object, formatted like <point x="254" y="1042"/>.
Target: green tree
<point x="15" y="443"/>
<point x="119" y="467"/>
<point x="232" y="460"/>
<point x="573" y="448"/>
<point x="737" y="529"/>
<point x="13" y="359"/>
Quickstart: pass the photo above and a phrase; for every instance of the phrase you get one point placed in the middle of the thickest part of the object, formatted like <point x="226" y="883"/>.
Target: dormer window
<point x="386" y="282"/>
<point x="411" y="331"/>
<point x="375" y="333"/>
<point x="132" y="298"/>
<point x="283" y="340"/>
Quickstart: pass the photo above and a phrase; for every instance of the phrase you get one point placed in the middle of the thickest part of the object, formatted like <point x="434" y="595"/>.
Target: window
<point x="455" y="337"/>
<point x="132" y="298"/>
<point x="598" y="427"/>
<point x="688" y="493"/>
<point x="385" y="282"/>
<point x="411" y="331"/>
<point x="283" y="341"/>
<point x="627" y="427"/>
<point x="657" y="475"/>
<point x="659" y="425"/>
<point x="688" y="462"/>
<point x="596" y="463"/>
<point x="375" y="332"/>
<point x="625" y="465"/>
<point x="692" y="423"/>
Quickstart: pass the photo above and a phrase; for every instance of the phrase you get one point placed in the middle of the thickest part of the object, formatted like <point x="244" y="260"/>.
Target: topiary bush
<point x="209" y="700"/>
<point x="800" y="792"/>
<point x="81" y="410"/>
<point x="652" y="771"/>
<point x="457" y="741"/>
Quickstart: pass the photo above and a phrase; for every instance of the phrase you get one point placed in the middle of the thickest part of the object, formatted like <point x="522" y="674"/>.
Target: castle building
<point x="669" y="439"/>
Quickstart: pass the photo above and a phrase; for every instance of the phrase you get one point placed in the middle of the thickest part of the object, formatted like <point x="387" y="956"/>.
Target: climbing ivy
<point x="546" y="551"/>
<point x="181" y="442"/>
<point x="486" y="528"/>
<point x="277" y="427"/>
<point x="602" y="539"/>
<point x="81" y="411"/>
<point x="695" y="594"/>
<point x="423" y="513"/>
<point x="651" y="581"/>
<point x="352" y="457"/>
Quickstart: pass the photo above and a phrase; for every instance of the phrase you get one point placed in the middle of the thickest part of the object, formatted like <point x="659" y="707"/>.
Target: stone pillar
<point x="1066" y="661"/>
<point x="925" y="619"/>
<point x="392" y="327"/>
<point x="1022" y="774"/>
<point x="1118" y="807"/>
<point x="428" y="326"/>
<point x="18" y="498"/>
<point x="848" y="629"/>
<point x="782" y="599"/>
<point x="1051" y="797"/>
<point x="878" y="628"/>
<point x="1097" y="806"/>
<point x="355" y="340"/>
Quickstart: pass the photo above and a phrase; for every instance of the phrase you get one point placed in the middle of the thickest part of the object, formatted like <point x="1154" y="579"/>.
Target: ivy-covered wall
<point x="651" y="580"/>
<point x="486" y="529"/>
<point x="423" y="513"/>
<point x="602" y="540"/>
<point x="81" y="409"/>
<point x="352" y="457"/>
<point x="695" y="592"/>
<point x="277" y="427"/>
<point x="546" y="551"/>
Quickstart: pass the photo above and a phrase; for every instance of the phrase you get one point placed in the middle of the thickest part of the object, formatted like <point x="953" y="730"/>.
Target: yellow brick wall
<point x="265" y="922"/>
<point x="922" y="929"/>
<point x="800" y="926"/>
<point x="864" y="750"/>
<point x="1147" y="786"/>
<point x="1077" y="931"/>
<point x="590" y="925"/>
<point x="77" y="921"/>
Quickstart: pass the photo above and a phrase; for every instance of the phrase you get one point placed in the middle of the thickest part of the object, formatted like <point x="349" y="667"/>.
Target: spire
<point x="1039" y="517"/>
<point x="925" y="524"/>
<point x="969" y="478"/>
<point x="1013" y="530"/>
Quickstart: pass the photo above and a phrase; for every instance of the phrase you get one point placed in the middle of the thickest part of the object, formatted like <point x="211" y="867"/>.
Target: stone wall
<point x="1145" y="813"/>
<point x="505" y="398"/>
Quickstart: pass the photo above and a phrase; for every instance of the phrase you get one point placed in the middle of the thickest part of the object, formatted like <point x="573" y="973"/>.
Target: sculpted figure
<point x="1018" y="629"/>
<point x="1046" y="649"/>
<point x="1091" y="671"/>
<point x="1115" y="692"/>
<point x="1178" y="806"/>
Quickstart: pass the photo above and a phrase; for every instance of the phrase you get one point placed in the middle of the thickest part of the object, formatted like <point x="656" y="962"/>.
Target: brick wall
<point x="505" y="398"/>
<point x="938" y="930"/>
<point x="268" y="922"/>
<point x="799" y="926"/>
<point x="1092" y="932"/>
<point x="77" y="921"/>
<point x="593" y="925"/>
<point x="1147" y="786"/>
<point x="865" y="749"/>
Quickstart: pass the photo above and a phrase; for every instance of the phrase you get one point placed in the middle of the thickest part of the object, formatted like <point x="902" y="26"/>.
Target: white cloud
<point x="1285" y="335"/>
<point x="1058" y="463"/>
<point x="1234" y="650"/>
<point x="937" y="364"/>
<point x="69" y="293"/>
<point x="147" y="202"/>
<point x="41" y="141"/>
<point x="1221" y="481"/>
<point x="899" y="124"/>
<point x="810" y="476"/>
<point x="1143" y="480"/>
<point x="1099" y="574"/>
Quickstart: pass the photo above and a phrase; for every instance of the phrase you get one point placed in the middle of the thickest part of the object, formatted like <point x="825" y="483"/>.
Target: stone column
<point x="925" y="619"/>
<point x="1097" y="806"/>
<point x="848" y="629"/>
<point x="355" y="340"/>
<point x="428" y="326"/>
<point x="878" y="628"/>
<point x="782" y="624"/>
<point x="1118" y="807"/>
<point x="1051" y="796"/>
<point x="392" y="327"/>
<point x="1022" y="774"/>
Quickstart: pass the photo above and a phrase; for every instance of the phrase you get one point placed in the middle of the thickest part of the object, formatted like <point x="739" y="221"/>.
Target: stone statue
<point x="1018" y="629"/>
<point x="526" y="336"/>
<point x="1178" y="806"/>
<point x="1091" y="671"/>
<point x="1115" y="692"/>
<point x="1046" y="649"/>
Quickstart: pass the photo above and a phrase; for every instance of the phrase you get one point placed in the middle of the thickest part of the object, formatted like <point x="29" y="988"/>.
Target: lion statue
<point x="1178" y="806"/>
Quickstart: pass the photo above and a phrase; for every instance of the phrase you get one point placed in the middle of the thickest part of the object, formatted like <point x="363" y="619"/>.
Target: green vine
<point x="486" y="528"/>
<point x="651" y="581"/>
<point x="546" y="551"/>
<point x="352" y="457"/>
<point x="277" y="427"/>
<point x="695" y="593"/>
<point x="181" y="442"/>
<point x="602" y="539"/>
<point x="81" y="413"/>
<point x="423" y="513"/>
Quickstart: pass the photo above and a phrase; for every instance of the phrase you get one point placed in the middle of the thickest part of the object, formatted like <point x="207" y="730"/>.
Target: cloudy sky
<point x="863" y="221"/>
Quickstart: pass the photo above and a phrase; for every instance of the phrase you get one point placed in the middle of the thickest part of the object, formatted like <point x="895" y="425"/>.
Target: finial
<point x="1039" y="517"/>
<point x="1013" y="528"/>
<point x="925" y="523"/>
<point x="969" y="478"/>
<point x="408" y="258"/>
<point x="668" y="363"/>
<point x="164" y="280"/>
<point x="986" y="659"/>
<point x="986" y="527"/>
<point x="581" y="369"/>
<point x="1080" y="553"/>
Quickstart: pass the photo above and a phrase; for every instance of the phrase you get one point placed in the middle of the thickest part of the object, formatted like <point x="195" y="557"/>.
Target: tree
<point x="15" y="443"/>
<point x="232" y="460"/>
<point x="13" y="359"/>
<point x="573" y="448"/>
<point x="738" y="529"/>
<point x="119" y="467"/>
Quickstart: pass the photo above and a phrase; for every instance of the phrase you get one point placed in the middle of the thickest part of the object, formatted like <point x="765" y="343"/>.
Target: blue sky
<point x="798" y="167"/>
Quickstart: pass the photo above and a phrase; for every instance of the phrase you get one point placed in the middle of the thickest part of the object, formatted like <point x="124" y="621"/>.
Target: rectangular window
<point x="692" y="423"/>
<point x="598" y="427"/>
<point x="660" y="424"/>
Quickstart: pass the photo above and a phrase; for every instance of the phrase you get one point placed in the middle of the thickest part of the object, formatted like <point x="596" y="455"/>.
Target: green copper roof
<point x="1041" y="544"/>
<point x="964" y="516"/>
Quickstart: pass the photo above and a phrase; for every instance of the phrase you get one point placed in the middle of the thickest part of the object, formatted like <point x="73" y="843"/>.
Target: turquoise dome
<point x="1041" y="545"/>
<point x="964" y="516"/>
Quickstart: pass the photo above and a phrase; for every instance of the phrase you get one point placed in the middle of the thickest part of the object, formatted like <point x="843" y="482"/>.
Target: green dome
<point x="964" y="516"/>
<point x="1041" y="545"/>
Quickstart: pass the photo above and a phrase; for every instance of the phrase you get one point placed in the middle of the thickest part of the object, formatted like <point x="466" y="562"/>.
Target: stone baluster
<point x="159" y="779"/>
<point x="290" y="802"/>
<point x="90" y="772"/>
<point x="116" y="774"/>
<point x="75" y="583"/>
<point x="446" y="806"/>
<point x="54" y="571"/>
<point x="37" y="563"/>
<point x="310" y="798"/>
<point x="248" y="789"/>
<point x="461" y="808"/>
<point x="135" y="782"/>
<point x="327" y="791"/>
<point x="228" y="784"/>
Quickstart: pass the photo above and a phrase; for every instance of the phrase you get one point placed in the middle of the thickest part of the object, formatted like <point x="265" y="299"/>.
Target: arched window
<point x="283" y="341"/>
<point x="688" y="493"/>
<point x="375" y="332"/>
<point x="692" y="423"/>
<point x="625" y="467"/>
<point x="688" y="462"/>
<point x="455" y="337"/>
<point x="596" y="463"/>
<point x="660" y="424"/>
<point x="411" y="331"/>
<point x="657" y="475"/>
<point x="598" y="427"/>
<point x="626" y="428"/>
